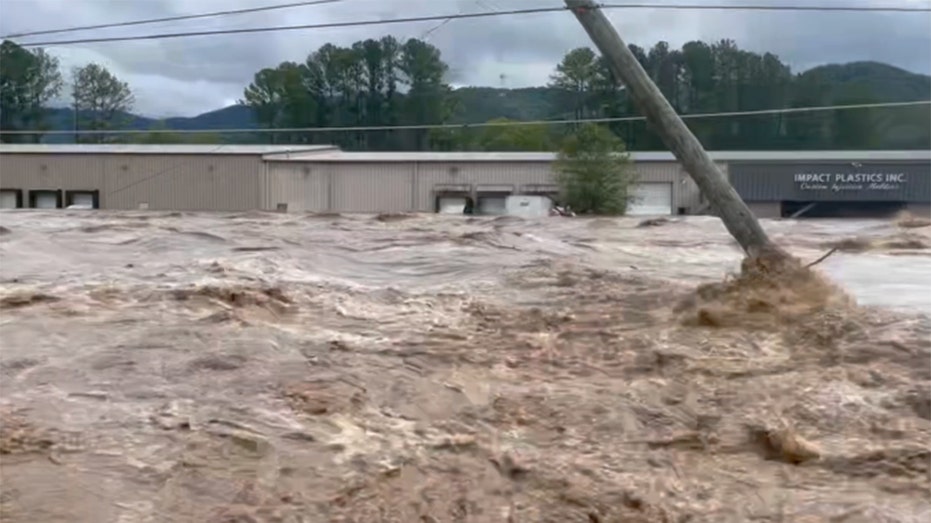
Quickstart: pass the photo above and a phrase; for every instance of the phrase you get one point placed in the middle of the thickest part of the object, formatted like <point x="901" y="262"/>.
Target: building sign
<point x="905" y="181"/>
<point x="818" y="181"/>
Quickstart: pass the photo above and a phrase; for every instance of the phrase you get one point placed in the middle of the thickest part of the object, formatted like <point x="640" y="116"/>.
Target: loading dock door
<point x="450" y="204"/>
<point x="492" y="204"/>
<point x="44" y="199"/>
<point x="9" y="199"/>
<point x="82" y="199"/>
<point x="650" y="199"/>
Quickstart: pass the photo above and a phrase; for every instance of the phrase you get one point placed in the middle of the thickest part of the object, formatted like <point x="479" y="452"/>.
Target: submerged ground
<point x="305" y="368"/>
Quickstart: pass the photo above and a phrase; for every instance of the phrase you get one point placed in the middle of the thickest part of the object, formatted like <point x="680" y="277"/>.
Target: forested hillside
<point x="388" y="82"/>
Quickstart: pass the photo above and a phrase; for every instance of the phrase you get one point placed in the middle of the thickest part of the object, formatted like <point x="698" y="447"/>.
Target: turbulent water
<point x="311" y="368"/>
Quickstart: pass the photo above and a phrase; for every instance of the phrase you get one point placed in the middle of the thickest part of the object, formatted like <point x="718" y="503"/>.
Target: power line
<point x="480" y="14"/>
<point x="789" y="110"/>
<point x="764" y="7"/>
<point x="171" y="18"/>
<point x="328" y="25"/>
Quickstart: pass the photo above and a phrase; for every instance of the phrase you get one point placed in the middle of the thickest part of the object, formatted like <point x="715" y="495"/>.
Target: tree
<point x="28" y="81"/>
<point x="357" y="86"/>
<point x="594" y="171"/>
<point x="160" y="135"/>
<point x="387" y="82"/>
<point x="577" y="75"/>
<point x="281" y="99"/>
<point x="508" y="135"/>
<point x="101" y="100"/>
<point x="423" y="71"/>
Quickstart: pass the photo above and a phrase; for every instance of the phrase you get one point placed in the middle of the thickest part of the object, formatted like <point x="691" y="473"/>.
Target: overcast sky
<point x="189" y="76"/>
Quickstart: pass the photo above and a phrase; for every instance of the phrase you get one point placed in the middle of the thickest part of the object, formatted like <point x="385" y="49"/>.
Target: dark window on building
<point x="11" y="198"/>
<point x="45" y="199"/>
<point x="83" y="198"/>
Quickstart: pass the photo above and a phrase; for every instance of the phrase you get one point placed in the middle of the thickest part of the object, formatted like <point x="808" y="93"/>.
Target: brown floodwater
<point x="264" y="367"/>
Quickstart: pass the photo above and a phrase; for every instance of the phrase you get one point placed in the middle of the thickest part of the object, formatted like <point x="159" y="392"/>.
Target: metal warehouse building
<point x="325" y="179"/>
<point x="173" y="177"/>
<point x="423" y="182"/>
<point x="833" y="184"/>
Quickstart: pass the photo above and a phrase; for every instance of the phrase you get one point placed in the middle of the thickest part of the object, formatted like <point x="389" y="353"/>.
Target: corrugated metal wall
<point x="220" y="182"/>
<point x="688" y="195"/>
<point x="301" y="186"/>
<point x="411" y="186"/>
<point x="840" y="181"/>
<point x="365" y="187"/>
<point x="197" y="182"/>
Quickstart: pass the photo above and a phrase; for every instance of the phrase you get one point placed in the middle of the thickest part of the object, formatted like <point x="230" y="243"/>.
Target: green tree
<point x="577" y="75"/>
<point x="159" y="135"/>
<point x="508" y="135"/>
<point x="860" y="128"/>
<point x="101" y="100"/>
<point x="423" y="71"/>
<point x="28" y="81"/>
<point x="280" y="98"/>
<point x="357" y="86"/>
<point x="594" y="171"/>
<point x="387" y="82"/>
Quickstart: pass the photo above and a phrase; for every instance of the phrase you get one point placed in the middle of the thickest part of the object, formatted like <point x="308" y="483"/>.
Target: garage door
<point x="46" y="200"/>
<point x="451" y="204"/>
<point x="528" y="206"/>
<point x="82" y="200"/>
<point x="8" y="199"/>
<point x="494" y="205"/>
<point x="650" y="199"/>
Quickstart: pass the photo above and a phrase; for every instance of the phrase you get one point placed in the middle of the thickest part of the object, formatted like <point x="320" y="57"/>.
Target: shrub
<point x="594" y="171"/>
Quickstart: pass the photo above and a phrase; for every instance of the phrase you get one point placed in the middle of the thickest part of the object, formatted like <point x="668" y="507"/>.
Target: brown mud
<point x="583" y="374"/>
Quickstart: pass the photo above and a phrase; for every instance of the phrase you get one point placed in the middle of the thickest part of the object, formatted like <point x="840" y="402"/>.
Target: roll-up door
<point x="492" y="204"/>
<point x="450" y="204"/>
<point x="11" y="199"/>
<point x="82" y="199"/>
<point x="492" y="199"/>
<point x="650" y="199"/>
<point x="45" y="199"/>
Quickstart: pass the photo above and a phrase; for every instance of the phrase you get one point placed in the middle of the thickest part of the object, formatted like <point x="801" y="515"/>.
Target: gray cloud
<point x="193" y="75"/>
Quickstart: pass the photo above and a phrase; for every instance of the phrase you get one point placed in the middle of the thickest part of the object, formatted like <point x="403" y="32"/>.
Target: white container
<point x="528" y="206"/>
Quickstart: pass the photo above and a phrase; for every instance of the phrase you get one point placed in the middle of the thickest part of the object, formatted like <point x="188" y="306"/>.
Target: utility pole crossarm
<point x="724" y="200"/>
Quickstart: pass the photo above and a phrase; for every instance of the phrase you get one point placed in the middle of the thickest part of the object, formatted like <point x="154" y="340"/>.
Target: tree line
<point x="30" y="80"/>
<point x="387" y="82"/>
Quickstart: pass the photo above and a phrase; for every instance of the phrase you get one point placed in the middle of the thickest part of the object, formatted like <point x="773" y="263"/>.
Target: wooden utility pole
<point x="724" y="200"/>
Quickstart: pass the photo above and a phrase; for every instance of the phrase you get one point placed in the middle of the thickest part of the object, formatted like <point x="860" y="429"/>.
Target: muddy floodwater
<point x="183" y="367"/>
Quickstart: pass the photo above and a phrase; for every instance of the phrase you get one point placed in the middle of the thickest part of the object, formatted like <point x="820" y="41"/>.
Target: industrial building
<point x="833" y="184"/>
<point x="326" y="179"/>
<point x="175" y="177"/>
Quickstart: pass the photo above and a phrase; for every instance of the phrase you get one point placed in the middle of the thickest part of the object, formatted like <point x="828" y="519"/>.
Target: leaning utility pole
<point x="724" y="200"/>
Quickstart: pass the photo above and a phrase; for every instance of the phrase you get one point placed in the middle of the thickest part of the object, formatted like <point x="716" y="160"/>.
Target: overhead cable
<point x="459" y="16"/>
<point x="178" y="18"/>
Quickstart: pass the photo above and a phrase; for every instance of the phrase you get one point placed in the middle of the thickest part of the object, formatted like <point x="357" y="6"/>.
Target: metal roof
<point x="331" y="153"/>
<point x="16" y="148"/>
<point x="353" y="156"/>
<point x="336" y="155"/>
